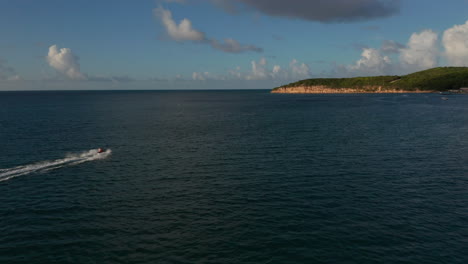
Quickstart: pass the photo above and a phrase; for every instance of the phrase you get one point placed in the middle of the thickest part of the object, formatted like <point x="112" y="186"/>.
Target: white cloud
<point x="455" y="41"/>
<point x="181" y="32"/>
<point x="197" y="76"/>
<point x="65" y="62"/>
<point x="421" y="52"/>
<point x="299" y="70"/>
<point x="184" y="31"/>
<point x="276" y="69"/>
<point x="259" y="70"/>
<point x="372" y="62"/>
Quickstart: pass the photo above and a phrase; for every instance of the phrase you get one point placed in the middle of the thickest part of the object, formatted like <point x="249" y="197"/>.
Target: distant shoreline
<point x="321" y="89"/>
<point x="441" y="79"/>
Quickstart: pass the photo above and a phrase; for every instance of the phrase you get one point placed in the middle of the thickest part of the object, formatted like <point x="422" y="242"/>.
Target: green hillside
<point x="436" y="79"/>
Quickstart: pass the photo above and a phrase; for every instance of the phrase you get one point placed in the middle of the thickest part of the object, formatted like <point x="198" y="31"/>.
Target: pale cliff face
<point x="321" y="89"/>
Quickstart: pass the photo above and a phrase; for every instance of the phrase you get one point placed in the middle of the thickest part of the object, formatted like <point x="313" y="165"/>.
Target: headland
<point x="442" y="79"/>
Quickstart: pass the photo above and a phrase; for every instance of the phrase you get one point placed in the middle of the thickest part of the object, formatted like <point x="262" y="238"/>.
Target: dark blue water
<point x="233" y="177"/>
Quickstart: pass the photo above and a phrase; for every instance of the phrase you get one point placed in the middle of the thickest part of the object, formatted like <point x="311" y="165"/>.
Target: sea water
<point x="233" y="177"/>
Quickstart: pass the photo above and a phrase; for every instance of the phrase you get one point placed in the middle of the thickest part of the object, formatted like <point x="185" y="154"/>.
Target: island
<point x="441" y="79"/>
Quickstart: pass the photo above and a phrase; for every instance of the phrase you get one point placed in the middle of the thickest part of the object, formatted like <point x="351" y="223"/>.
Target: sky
<point x="222" y="44"/>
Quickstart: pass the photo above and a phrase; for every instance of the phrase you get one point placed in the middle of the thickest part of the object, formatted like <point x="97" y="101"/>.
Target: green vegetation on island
<point x="436" y="79"/>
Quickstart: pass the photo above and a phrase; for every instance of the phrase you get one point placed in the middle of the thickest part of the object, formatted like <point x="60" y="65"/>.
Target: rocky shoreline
<point x="321" y="89"/>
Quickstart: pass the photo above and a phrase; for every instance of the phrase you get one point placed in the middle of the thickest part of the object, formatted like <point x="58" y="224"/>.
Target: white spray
<point x="43" y="166"/>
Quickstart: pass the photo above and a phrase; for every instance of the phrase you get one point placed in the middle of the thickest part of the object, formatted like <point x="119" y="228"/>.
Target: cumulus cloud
<point x="199" y="76"/>
<point x="276" y="69"/>
<point x="178" y="32"/>
<point x="372" y="62"/>
<point x="65" y="62"/>
<point x="184" y="31"/>
<point x="455" y="42"/>
<point x="421" y="52"/>
<point x="260" y="70"/>
<point x="299" y="70"/>
<point x="317" y="10"/>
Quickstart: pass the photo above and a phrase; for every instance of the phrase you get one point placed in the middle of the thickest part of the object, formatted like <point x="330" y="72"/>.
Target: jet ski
<point x="100" y="150"/>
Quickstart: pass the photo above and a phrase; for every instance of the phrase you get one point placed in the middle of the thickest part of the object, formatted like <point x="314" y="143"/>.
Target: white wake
<point x="43" y="166"/>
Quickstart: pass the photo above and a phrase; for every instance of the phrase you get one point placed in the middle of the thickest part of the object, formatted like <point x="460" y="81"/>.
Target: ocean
<point x="232" y="177"/>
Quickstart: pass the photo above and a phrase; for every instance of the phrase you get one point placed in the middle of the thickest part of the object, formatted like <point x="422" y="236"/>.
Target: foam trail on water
<point x="69" y="160"/>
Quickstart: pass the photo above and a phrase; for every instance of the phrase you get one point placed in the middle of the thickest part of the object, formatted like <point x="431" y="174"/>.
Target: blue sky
<point x="148" y="44"/>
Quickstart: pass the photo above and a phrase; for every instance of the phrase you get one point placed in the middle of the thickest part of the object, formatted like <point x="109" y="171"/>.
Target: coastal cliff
<point x="433" y="80"/>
